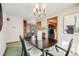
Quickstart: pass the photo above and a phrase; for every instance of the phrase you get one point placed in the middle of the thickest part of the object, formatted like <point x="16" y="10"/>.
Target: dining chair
<point x="24" y="52"/>
<point x="33" y="51"/>
<point x="58" y="51"/>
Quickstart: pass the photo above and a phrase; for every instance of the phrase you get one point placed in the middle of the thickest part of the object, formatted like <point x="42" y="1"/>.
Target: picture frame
<point x="71" y="23"/>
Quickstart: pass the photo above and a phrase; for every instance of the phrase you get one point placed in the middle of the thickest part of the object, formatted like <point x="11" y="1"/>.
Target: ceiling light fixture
<point x="40" y="9"/>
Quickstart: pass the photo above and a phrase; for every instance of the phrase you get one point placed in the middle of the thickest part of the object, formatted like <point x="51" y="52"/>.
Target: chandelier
<point x="40" y="9"/>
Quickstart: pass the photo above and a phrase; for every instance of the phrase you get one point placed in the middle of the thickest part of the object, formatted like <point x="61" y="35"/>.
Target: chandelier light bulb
<point x="34" y="10"/>
<point x="37" y="6"/>
<point x="44" y="6"/>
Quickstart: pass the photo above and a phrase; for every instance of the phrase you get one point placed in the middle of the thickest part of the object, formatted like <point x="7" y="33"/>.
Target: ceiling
<point x="26" y="9"/>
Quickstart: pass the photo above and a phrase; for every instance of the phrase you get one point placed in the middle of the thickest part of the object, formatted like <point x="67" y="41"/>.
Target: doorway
<point x="24" y="28"/>
<point x="38" y="24"/>
<point x="53" y="23"/>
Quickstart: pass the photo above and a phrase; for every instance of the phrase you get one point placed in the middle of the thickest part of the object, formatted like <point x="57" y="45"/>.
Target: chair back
<point x="69" y="47"/>
<point x="67" y="51"/>
<point x="23" y="46"/>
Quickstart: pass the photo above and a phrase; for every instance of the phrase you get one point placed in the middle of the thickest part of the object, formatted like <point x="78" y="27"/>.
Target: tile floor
<point x="13" y="49"/>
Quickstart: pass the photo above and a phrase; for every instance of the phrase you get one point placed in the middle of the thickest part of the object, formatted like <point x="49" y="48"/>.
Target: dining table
<point x="38" y="39"/>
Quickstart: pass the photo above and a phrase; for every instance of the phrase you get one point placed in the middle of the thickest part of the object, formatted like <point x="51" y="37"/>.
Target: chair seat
<point x="60" y="52"/>
<point x="54" y="52"/>
<point x="33" y="51"/>
<point x="28" y="45"/>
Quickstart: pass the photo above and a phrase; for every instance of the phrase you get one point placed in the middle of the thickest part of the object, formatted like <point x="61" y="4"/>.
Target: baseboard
<point x="12" y="42"/>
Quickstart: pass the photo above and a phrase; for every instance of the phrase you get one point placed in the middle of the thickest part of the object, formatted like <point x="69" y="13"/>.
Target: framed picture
<point x="71" y="23"/>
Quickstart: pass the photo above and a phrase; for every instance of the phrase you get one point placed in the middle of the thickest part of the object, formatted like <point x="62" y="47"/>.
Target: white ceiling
<point x="26" y="9"/>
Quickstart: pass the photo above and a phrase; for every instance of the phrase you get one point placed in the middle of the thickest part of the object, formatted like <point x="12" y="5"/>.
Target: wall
<point x="14" y="28"/>
<point x="3" y="37"/>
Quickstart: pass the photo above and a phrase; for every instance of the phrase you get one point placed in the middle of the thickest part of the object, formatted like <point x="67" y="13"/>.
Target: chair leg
<point x="46" y="52"/>
<point x="22" y="52"/>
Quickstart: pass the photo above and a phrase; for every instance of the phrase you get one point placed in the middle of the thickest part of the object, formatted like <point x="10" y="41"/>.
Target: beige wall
<point x="14" y="28"/>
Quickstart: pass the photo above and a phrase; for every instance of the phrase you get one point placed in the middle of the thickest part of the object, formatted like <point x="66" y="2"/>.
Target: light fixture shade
<point x="44" y="6"/>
